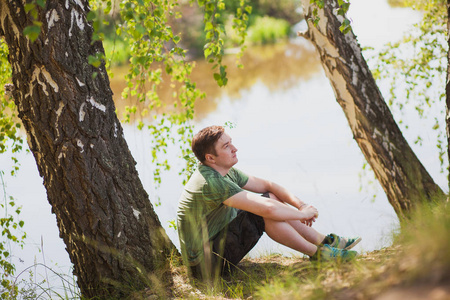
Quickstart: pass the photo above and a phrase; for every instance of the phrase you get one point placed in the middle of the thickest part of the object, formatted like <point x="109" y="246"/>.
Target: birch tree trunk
<point x="111" y="232"/>
<point x="400" y="173"/>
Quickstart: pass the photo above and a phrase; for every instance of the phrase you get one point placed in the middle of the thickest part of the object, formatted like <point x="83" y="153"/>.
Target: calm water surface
<point x="288" y="128"/>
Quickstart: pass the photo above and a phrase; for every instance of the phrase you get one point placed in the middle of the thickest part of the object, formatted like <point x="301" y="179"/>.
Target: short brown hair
<point x="205" y="140"/>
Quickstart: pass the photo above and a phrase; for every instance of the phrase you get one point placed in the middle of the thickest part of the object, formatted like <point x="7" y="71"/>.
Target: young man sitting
<point x="223" y="212"/>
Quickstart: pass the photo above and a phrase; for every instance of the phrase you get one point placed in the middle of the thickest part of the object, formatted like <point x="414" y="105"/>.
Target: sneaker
<point x="342" y="242"/>
<point x="327" y="253"/>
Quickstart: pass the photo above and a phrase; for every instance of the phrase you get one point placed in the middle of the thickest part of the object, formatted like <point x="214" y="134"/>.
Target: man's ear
<point x="209" y="158"/>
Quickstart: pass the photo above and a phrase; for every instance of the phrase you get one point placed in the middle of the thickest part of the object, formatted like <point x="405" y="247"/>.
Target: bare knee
<point x="271" y="225"/>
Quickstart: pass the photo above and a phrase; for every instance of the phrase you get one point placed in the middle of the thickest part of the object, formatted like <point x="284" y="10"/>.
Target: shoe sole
<point x="353" y="244"/>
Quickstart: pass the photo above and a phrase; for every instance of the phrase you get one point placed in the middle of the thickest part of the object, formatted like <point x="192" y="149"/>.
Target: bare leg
<point x="308" y="233"/>
<point x="283" y="233"/>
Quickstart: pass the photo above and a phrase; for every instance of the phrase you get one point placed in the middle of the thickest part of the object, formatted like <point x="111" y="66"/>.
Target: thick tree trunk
<point x="112" y="234"/>
<point x="400" y="173"/>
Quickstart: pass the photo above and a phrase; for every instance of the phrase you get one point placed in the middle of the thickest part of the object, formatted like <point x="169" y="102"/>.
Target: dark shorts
<point x="230" y="245"/>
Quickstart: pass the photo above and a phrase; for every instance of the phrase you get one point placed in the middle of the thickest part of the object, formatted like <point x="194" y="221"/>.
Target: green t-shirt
<point x="201" y="212"/>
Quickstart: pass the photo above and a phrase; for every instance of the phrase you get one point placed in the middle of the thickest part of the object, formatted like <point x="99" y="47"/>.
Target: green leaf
<point x="28" y="7"/>
<point x="223" y="73"/>
<point x="94" y="61"/>
<point x="345" y="7"/>
<point x="91" y="15"/>
<point x="32" y="32"/>
<point x="208" y="26"/>
<point x="207" y="52"/>
<point x="108" y="7"/>
<point x="41" y="3"/>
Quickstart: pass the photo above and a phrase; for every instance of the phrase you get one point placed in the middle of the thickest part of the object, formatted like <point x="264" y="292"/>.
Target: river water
<point x="288" y="128"/>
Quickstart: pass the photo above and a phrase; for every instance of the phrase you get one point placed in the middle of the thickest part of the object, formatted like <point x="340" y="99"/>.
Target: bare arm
<point x="269" y="208"/>
<point x="258" y="185"/>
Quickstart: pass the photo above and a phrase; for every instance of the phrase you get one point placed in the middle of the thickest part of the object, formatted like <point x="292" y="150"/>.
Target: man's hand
<point x="311" y="212"/>
<point x="309" y="222"/>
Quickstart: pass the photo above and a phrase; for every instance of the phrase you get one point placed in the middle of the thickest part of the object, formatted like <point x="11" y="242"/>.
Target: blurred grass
<point x="117" y="51"/>
<point x="267" y="30"/>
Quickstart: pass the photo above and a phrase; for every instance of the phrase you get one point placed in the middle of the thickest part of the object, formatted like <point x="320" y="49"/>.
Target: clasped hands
<point x="309" y="210"/>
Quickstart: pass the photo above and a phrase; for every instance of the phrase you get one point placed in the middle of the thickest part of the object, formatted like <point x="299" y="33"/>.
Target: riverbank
<point x="416" y="266"/>
<point x="375" y="275"/>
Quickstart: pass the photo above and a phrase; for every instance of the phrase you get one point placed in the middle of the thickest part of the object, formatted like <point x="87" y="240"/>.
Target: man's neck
<point x="222" y="171"/>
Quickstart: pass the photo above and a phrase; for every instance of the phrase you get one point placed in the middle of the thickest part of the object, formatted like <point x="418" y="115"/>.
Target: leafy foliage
<point x="157" y="56"/>
<point x="215" y="32"/>
<point x="10" y="138"/>
<point x="419" y="62"/>
<point x="10" y="141"/>
<point x="33" y="31"/>
<point x="10" y="226"/>
<point x="342" y="8"/>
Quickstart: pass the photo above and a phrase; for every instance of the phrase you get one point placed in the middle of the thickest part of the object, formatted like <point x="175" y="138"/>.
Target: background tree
<point x="415" y="66"/>
<point x="402" y="176"/>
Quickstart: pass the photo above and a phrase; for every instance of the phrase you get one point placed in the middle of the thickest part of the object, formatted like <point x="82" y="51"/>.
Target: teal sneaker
<point x="328" y="253"/>
<point x="342" y="242"/>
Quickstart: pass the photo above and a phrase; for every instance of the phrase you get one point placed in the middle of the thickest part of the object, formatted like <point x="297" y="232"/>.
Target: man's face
<point x="225" y="152"/>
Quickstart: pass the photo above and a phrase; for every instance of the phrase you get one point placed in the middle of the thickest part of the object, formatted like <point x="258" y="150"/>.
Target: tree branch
<point x="305" y="34"/>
